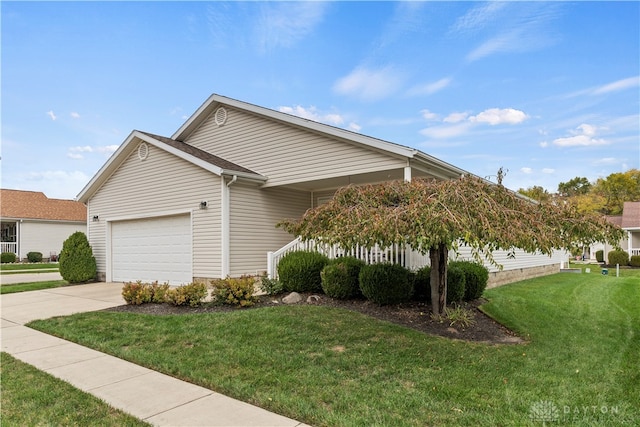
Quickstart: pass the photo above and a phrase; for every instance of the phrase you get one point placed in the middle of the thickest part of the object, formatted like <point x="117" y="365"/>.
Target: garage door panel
<point x="152" y="249"/>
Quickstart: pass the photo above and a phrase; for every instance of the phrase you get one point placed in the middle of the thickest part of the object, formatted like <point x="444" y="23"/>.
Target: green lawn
<point x="32" y="286"/>
<point x="34" y="398"/>
<point x="14" y="268"/>
<point x="332" y="367"/>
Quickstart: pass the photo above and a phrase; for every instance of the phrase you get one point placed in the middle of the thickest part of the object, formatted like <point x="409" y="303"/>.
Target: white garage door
<point x="152" y="249"/>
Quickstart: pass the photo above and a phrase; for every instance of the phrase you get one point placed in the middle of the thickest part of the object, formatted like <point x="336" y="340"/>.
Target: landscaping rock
<point x="313" y="298"/>
<point x="292" y="298"/>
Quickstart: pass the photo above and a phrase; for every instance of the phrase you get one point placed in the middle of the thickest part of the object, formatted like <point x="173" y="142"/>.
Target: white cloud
<point x="526" y="170"/>
<point x="623" y="84"/>
<point x="429" y="116"/>
<point x="75" y="156"/>
<point x="285" y="24"/>
<point x="312" y="113"/>
<point x="51" y="115"/>
<point x="583" y="135"/>
<point x="107" y="149"/>
<point x="81" y="149"/>
<point x="75" y="115"/>
<point x="544" y="144"/>
<point x="441" y="132"/>
<point x="456" y="117"/>
<point x="430" y="88"/>
<point x="55" y="184"/>
<point x="354" y="127"/>
<point x="497" y="116"/>
<point x="75" y="152"/>
<point x="606" y="161"/>
<point x="548" y="170"/>
<point x="369" y="84"/>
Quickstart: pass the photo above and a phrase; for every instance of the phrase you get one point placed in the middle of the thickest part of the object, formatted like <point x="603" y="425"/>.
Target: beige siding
<point x="284" y="153"/>
<point x="253" y="215"/>
<point x="160" y="185"/>
<point x="46" y="236"/>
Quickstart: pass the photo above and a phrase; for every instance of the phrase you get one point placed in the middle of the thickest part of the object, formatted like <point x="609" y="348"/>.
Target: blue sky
<point x="547" y="90"/>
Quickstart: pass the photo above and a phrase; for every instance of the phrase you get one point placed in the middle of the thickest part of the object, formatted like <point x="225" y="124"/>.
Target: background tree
<point x="618" y="188"/>
<point x="436" y="216"/>
<point x="536" y="193"/>
<point x="574" y="187"/>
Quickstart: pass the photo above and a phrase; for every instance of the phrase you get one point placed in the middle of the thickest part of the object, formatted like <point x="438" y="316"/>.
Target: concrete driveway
<point x="23" y="307"/>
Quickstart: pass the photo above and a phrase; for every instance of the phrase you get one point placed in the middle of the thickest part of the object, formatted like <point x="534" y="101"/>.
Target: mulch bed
<point x="414" y="315"/>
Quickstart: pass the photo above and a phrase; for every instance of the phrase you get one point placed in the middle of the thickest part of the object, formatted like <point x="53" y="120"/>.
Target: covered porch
<point x="10" y="232"/>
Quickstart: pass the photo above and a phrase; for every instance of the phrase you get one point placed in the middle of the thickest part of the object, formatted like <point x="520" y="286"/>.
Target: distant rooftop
<point x="18" y="204"/>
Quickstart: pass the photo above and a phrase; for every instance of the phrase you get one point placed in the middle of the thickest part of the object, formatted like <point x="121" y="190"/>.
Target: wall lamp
<point x="203" y="204"/>
<point x="95" y="218"/>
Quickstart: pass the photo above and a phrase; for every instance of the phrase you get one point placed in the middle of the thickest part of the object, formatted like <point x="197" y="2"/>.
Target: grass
<point x="332" y="367"/>
<point x="16" y="268"/>
<point x="31" y="286"/>
<point x="31" y="397"/>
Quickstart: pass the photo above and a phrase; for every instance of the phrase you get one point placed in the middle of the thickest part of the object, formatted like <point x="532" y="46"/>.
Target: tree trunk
<point x="438" y="256"/>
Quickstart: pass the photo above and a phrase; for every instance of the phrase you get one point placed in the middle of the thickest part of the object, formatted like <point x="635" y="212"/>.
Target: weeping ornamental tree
<point x="433" y="217"/>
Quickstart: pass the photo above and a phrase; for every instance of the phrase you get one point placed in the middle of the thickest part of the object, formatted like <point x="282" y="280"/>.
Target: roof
<point x="200" y="154"/>
<point x="615" y="220"/>
<point x="20" y="204"/>
<point x="631" y="215"/>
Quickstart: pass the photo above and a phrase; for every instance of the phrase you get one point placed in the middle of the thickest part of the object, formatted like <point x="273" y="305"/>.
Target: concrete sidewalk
<point x="151" y="396"/>
<point x="30" y="277"/>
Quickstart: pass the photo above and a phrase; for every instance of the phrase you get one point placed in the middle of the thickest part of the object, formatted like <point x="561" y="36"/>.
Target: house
<point x="32" y="222"/>
<point x="204" y="202"/>
<point x="629" y="221"/>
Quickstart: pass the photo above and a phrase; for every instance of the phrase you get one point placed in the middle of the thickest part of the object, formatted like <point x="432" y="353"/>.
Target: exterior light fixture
<point x="203" y="204"/>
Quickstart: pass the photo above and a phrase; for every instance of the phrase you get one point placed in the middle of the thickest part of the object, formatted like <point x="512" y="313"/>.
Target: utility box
<point x="605" y="272"/>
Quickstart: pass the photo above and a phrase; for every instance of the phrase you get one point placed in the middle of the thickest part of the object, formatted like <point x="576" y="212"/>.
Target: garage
<point x="152" y="249"/>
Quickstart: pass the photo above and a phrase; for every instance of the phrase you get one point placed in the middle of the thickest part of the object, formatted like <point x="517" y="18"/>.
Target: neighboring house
<point x="203" y="203"/>
<point x="31" y="222"/>
<point x="629" y="221"/>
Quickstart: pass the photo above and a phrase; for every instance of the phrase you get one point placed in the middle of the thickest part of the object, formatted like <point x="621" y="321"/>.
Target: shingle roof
<point x="35" y="205"/>
<point x="200" y="154"/>
<point x="631" y="215"/>
<point x="615" y="220"/>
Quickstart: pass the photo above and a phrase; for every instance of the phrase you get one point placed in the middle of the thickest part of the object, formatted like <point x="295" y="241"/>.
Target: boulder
<point x="292" y="298"/>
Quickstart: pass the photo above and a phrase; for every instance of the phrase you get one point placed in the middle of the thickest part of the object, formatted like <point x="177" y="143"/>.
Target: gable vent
<point x="221" y="116"/>
<point x="143" y="151"/>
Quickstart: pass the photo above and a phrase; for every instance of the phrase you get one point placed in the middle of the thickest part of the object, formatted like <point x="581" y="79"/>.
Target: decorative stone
<point x="452" y="331"/>
<point x="313" y="298"/>
<point x="292" y="298"/>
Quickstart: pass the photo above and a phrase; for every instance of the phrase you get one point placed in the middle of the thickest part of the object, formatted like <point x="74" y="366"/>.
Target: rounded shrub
<point x="455" y="284"/>
<point x="77" y="263"/>
<point x="385" y="283"/>
<point x="300" y="271"/>
<point x="476" y="277"/>
<point x="34" y="256"/>
<point x="635" y="261"/>
<point x="618" y="257"/>
<point x="600" y="255"/>
<point x="340" y="278"/>
<point x="7" y="257"/>
<point x="421" y="287"/>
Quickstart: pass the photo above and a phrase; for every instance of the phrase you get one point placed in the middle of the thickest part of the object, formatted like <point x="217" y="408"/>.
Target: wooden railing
<point x="9" y="247"/>
<point x="396" y="254"/>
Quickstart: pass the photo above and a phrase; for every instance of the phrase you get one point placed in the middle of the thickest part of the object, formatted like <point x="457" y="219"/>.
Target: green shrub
<point x="455" y="283"/>
<point x="77" y="263"/>
<point x="385" y="283"/>
<point x="34" y="256"/>
<point x="340" y="278"/>
<point x="421" y="287"/>
<point x="618" y="257"/>
<point x="600" y="255"/>
<point x="300" y="271"/>
<point x="635" y="261"/>
<point x="235" y="291"/>
<point x="270" y="286"/>
<point x="136" y="293"/>
<point x="7" y="257"/>
<point x="158" y="292"/>
<point x="192" y="294"/>
<point x="476" y="277"/>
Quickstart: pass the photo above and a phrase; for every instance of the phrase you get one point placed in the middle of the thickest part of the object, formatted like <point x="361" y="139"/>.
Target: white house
<point x="204" y="202"/>
<point x="32" y="222"/>
<point x="629" y="221"/>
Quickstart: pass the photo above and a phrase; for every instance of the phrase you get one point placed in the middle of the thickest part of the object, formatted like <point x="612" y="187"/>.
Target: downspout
<point x="226" y="243"/>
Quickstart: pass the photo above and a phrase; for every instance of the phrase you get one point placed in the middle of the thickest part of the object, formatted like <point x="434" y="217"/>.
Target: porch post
<point x="407" y="173"/>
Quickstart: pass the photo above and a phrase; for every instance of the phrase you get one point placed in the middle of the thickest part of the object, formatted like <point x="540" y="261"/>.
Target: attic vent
<point x="143" y="151"/>
<point x="221" y="116"/>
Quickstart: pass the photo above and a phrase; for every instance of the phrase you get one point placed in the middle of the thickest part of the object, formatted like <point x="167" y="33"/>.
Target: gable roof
<point x="436" y="166"/>
<point x="196" y="156"/>
<point x="20" y="204"/>
<point x="631" y="215"/>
